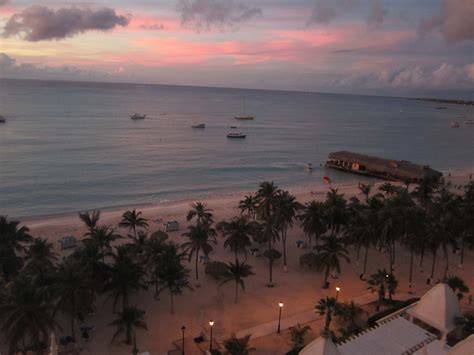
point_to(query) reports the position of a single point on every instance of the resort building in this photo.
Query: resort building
(397, 170)
(419, 329)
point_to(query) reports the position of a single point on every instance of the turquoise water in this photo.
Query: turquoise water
(71, 146)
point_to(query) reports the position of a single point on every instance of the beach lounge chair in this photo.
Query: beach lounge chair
(171, 226)
(67, 242)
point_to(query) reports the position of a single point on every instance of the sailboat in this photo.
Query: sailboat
(244, 116)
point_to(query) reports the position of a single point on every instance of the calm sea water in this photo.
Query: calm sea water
(71, 146)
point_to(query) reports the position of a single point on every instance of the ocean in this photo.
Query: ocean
(71, 146)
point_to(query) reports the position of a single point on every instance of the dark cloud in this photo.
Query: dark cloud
(3, 2)
(38, 23)
(376, 15)
(455, 21)
(222, 14)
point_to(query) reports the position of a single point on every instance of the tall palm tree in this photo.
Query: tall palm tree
(335, 210)
(271, 255)
(248, 204)
(130, 319)
(237, 272)
(26, 315)
(331, 252)
(313, 222)
(285, 211)
(365, 190)
(40, 257)
(238, 232)
(91, 220)
(266, 196)
(70, 287)
(200, 238)
(424, 192)
(102, 237)
(12, 240)
(170, 273)
(202, 214)
(297, 335)
(327, 306)
(133, 221)
(125, 277)
(238, 346)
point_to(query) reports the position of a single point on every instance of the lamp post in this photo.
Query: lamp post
(280, 304)
(211, 323)
(183, 328)
(337, 292)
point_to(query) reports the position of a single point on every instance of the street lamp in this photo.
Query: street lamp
(279, 316)
(337, 292)
(211, 323)
(183, 328)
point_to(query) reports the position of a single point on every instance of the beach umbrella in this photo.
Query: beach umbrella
(53, 347)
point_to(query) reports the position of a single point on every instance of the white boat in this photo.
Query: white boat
(244, 116)
(455, 125)
(199, 125)
(236, 135)
(137, 116)
(308, 167)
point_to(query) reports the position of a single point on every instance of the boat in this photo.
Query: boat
(441, 108)
(199, 125)
(236, 135)
(327, 179)
(244, 116)
(469, 122)
(137, 116)
(308, 167)
(233, 127)
(454, 124)
(3, 119)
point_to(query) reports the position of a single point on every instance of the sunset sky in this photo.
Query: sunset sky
(396, 47)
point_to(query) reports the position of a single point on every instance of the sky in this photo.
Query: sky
(384, 47)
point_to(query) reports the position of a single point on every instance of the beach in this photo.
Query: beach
(298, 288)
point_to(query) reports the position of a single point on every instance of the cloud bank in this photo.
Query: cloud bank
(3, 2)
(221, 14)
(455, 21)
(39, 23)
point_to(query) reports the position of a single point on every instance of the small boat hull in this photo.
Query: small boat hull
(236, 137)
(199, 126)
(248, 118)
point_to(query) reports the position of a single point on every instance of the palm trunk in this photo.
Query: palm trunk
(236, 257)
(73, 316)
(271, 273)
(327, 323)
(125, 301)
(433, 265)
(172, 301)
(326, 275)
(462, 252)
(365, 259)
(197, 258)
(421, 259)
(411, 267)
(283, 238)
(128, 336)
(446, 254)
(236, 292)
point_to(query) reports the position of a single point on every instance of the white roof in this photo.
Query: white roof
(320, 346)
(392, 337)
(438, 308)
(465, 347)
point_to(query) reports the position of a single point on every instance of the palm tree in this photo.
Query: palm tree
(285, 211)
(248, 204)
(388, 188)
(40, 257)
(238, 346)
(12, 239)
(297, 335)
(335, 210)
(26, 315)
(70, 286)
(350, 312)
(238, 232)
(424, 191)
(365, 190)
(237, 272)
(102, 237)
(133, 221)
(202, 214)
(380, 282)
(170, 273)
(271, 255)
(313, 222)
(327, 306)
(457, 285)
(130, 319)
(266, 196)
(91, 220)
(125, 277)
(200, 236)
(331, 251)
